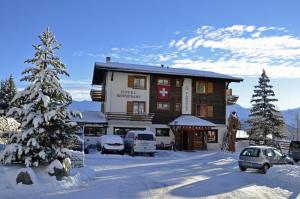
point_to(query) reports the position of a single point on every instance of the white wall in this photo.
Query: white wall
(221, 132)
(115, 101)
(160, 139)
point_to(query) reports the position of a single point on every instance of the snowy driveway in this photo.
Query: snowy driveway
(178, 175)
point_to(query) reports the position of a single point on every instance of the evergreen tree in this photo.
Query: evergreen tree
(41, 109)
(7, 91)
(2, 94)
(264, 119)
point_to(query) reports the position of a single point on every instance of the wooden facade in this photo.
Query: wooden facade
(216, 99)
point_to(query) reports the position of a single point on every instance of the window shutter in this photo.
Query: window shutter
(145, 85)
(129, 107)
(210, 111)
(210, 87)
(130, 81)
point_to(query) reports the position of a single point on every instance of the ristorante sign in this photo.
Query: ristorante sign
(128, 94)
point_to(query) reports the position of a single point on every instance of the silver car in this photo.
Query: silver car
(262, 158)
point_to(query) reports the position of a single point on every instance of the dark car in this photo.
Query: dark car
(294, 151)
(261, 158)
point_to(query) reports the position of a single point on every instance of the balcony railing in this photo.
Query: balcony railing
(130, 116)
(231, 99)
(97, 94)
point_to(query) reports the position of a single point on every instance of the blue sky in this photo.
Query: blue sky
(234, 37)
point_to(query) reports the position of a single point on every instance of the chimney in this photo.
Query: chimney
(108, 59)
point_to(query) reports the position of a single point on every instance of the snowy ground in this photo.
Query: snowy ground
(168, 175)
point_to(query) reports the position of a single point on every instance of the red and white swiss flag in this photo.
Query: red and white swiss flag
(163, 92)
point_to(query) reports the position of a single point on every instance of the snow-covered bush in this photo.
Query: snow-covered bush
(41, 108)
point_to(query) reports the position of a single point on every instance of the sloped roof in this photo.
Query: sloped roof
(92, 117)
(136, 68)
(190, 120)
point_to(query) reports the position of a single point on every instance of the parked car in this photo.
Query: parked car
(262, 158)
(111, 144)
(140, 142)
(294, 151)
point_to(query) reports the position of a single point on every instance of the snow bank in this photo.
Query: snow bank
(289, 174)
(43, 183)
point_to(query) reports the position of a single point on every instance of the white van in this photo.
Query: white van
(140, 142)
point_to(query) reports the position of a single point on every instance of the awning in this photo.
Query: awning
(189, 121)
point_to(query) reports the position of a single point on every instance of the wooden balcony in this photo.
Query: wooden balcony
(231, 99)
(97, 95)
(147, 117)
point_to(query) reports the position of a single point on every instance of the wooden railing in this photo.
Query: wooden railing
(97, 95)
(130, 116)
(231, 99)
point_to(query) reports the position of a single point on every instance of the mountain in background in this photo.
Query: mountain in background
(289, 116)
(85, 106)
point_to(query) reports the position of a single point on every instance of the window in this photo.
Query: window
(122, 131)
(178, 107)
(94, 131)
(178, 82)
(148, 137)
(200, 87)
(137, 82)
(212, 136)
(136, 107)
(203, 110)
(203, 87)
(163, 106)
(251, 152)
(163, 81)
(269, 153)
(162, 132)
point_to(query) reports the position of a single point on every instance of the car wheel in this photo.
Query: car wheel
(132, 153)
(264, 169)
(296, 160)
(242, 168)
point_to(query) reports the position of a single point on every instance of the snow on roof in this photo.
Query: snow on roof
(189, 120)
(163, 70)
(90, 117)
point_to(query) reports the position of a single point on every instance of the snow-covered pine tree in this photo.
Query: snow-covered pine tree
(2, 94)
(7, 91)
(264, 119)
(41, 108)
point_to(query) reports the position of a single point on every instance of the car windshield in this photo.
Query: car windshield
(148, 137)
(295, 144)
(251, 152)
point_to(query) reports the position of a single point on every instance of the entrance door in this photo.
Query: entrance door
(185, 140)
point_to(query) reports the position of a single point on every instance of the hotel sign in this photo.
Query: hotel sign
(128, 94)
(187, 96)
